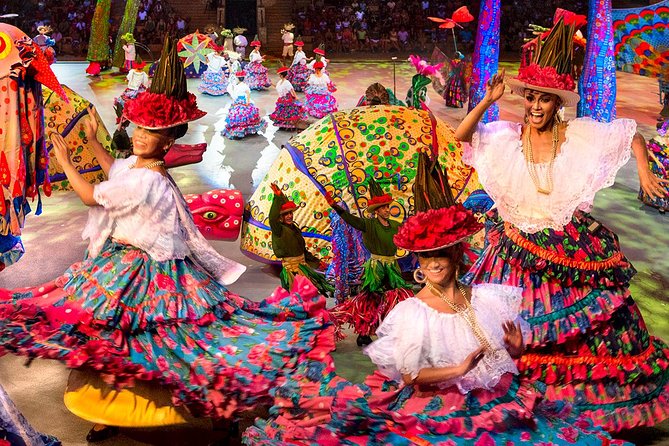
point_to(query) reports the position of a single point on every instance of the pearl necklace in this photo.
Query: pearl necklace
(150, 165)
(531, 166)
(466, 311)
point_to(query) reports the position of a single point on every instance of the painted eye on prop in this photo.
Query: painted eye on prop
(210, 215)
(5, 45)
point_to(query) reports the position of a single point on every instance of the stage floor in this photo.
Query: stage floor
(52, 240)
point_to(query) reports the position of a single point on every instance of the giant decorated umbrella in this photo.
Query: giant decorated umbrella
(193, 50)
(339, 154)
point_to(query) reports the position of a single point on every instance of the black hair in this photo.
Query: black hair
(178, 131)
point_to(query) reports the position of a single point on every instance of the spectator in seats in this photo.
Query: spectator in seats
(403, 37)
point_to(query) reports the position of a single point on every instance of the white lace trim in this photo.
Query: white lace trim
(319, 81)
(415, 336)
(283, 87)
(588, 161)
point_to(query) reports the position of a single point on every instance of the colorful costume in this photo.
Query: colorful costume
(417, 93)
(658, 149)
(486, 405)
(138, 82)
(214, 80)
(585, 326)
(289, 111)
(46, 43)
(299, 72)
(148, 303)
(256, 73)
(382, 284)
(129, 51)
(319, 100)
(320, 57)
(455, 94)
(240, 41)
(243, 116)
(289, 246)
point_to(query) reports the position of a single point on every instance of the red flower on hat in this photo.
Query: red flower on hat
(437, 228)
(282, 70)
(288, 206)
(156, 110)
(546, 77)
(318, 64)
(380, 200)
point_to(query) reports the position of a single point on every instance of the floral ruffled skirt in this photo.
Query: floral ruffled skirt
(589, 342)
(243, 120)
(214, 83)
(288, 112)
(129, 318)
(298, 75)
(256, 76)
(320, 102)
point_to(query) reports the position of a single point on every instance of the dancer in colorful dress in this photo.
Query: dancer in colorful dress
(290, 247)
(319, 56)
(129, 50)
(658, 154)
(588, 340)
(299, 72)
(256, 72)
(214, 79)
(138, 82)
(446, 372)
(417, 96)
(289, 113)
(455, 93)
(243, 116)
(319, 100)
(382, 284)
(46, 43)
(147, 306)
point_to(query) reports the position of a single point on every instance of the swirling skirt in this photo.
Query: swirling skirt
(130, 317)
(288, 112)
(256, 76)
(243, 119)
(298, 75)
(214, 83)
(319, 102)
(589, 342)
(660, 167)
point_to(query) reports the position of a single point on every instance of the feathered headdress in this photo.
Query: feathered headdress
(425, 69)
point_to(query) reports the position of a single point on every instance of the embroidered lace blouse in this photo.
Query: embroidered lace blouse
(283, 87)
(299, 57)
(587, 162)
(238, 90)
(415, 336)
(145, 209)
(255, 56)
(319, 81)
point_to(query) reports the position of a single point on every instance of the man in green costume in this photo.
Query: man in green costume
(290, 247)
(382, 285)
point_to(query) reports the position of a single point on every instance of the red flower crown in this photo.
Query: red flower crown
(436, 229)
(158, 111)
(547, 77)
(379, 201)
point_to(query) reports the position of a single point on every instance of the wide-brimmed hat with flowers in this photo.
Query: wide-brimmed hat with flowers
(282, 69)
(288, 206)
(439, 221)
(377, 197)
(167, 103)
(255, 42)
(551, 68)
(238, 30)
(288, 26)
(128, 37)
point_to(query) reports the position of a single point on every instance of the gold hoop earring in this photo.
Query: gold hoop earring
(527, 119)
(419, 276)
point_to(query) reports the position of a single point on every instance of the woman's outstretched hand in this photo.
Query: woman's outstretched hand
(60, 148)
(90, 124)
(652, 185)
(513, 338)
(494, 88)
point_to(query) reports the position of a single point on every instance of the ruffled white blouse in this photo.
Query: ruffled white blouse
(319, 81)
(588, 161)
(299, 57)
(313, 62)
(283, 87)
(239, 89)
(145, 209)
(415, 336)
(255, 56)
(215, 62)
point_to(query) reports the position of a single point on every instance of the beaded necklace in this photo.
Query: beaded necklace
(148, 166)
(531, 166)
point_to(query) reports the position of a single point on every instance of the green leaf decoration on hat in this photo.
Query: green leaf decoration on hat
(374, 189)
(169, 78)
(557, 49)
(431, 187)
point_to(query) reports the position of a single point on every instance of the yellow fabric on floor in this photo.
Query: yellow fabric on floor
(88, 397)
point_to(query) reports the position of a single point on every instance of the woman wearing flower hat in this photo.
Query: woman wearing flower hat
(320, 57)
(256, 73)
(214, 79)
(298, 73)
(138, 82)
(446, 372)
(289, 113)
(588, 340)
(290, 247)
(243, 116)
(46, 43)
(129, 50)
(145, 318)
(319, 100)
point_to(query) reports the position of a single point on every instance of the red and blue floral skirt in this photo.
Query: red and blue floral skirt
(298, 75)
(243, 120)
(288, 112)
(130, 317)
(214, 83)
(589, 342)
(256, 76)
(319, 101)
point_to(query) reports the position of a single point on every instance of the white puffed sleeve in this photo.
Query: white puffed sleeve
(488, 137)
(399, 349)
